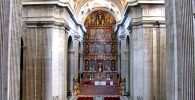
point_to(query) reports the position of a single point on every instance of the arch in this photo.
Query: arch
(21, 69)
(93, 17)
(98, 9)
(128, 43)
(79, 61)
(79, 3)
(128, 63)
(70, 68)
(70, 43)
(91, 6)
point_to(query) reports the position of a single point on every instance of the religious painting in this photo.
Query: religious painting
(108, 34)
(86, 49)
(92, 65)
(107, 65)
(100, 48)
(100, 34)
(113, 62)
(113, 49)
(87, 65)
(108, 47)
(93, 34)
(99, 42)
(92, 48)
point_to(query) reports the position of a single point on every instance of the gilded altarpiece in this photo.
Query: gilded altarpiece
(100, 46)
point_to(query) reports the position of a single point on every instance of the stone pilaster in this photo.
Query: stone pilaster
(124, 62)
(66, 64)
(76, 54)
(10, 49)
(180, 50)
(147, 51)
(46, 40)
(45, 66)
(70, 64)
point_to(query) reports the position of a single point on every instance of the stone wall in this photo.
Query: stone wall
(10, 45)
(145, 75)
(46, 31)
(180, 50)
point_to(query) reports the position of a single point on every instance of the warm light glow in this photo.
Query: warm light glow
(99, 4)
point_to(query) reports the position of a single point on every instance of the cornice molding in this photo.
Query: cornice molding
(77, 37)
(58, 3)
(122, 36)
(34, 21)
(135, 3)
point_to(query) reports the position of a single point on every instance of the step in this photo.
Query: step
(100, 97)
(99, 90)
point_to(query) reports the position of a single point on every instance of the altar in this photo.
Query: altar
(100, 56)
(103, 83)
(100, 76)
(100, 82)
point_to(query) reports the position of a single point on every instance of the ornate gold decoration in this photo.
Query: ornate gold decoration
(76, 86)
(100, 18)
(99, 25)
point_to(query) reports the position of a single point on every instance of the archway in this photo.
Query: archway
(70, 70)
(100, 55)
(128, 65)
(79, 61)
(21, 69)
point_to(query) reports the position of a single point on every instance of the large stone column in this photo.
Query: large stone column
(180, 50)
(145, 25)
(58, 63)
(45, 39)
(76, 54)
(148, 58)
(125, 68)
(44, 62)
(66, 64)
(81, 56)
(10, 49)
(70, 64)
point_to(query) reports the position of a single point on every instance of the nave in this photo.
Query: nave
(99, 74)
(97, 49)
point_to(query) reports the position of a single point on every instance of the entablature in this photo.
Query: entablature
(57, 12)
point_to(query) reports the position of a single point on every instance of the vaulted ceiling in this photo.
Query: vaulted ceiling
(119, 3)
(83, 8)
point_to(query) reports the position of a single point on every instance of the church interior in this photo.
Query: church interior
(97, 50)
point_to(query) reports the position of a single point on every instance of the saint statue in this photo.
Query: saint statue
(100, 67)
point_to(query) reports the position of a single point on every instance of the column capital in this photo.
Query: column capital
(122, 36)
(67, 28)
(77, 37)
